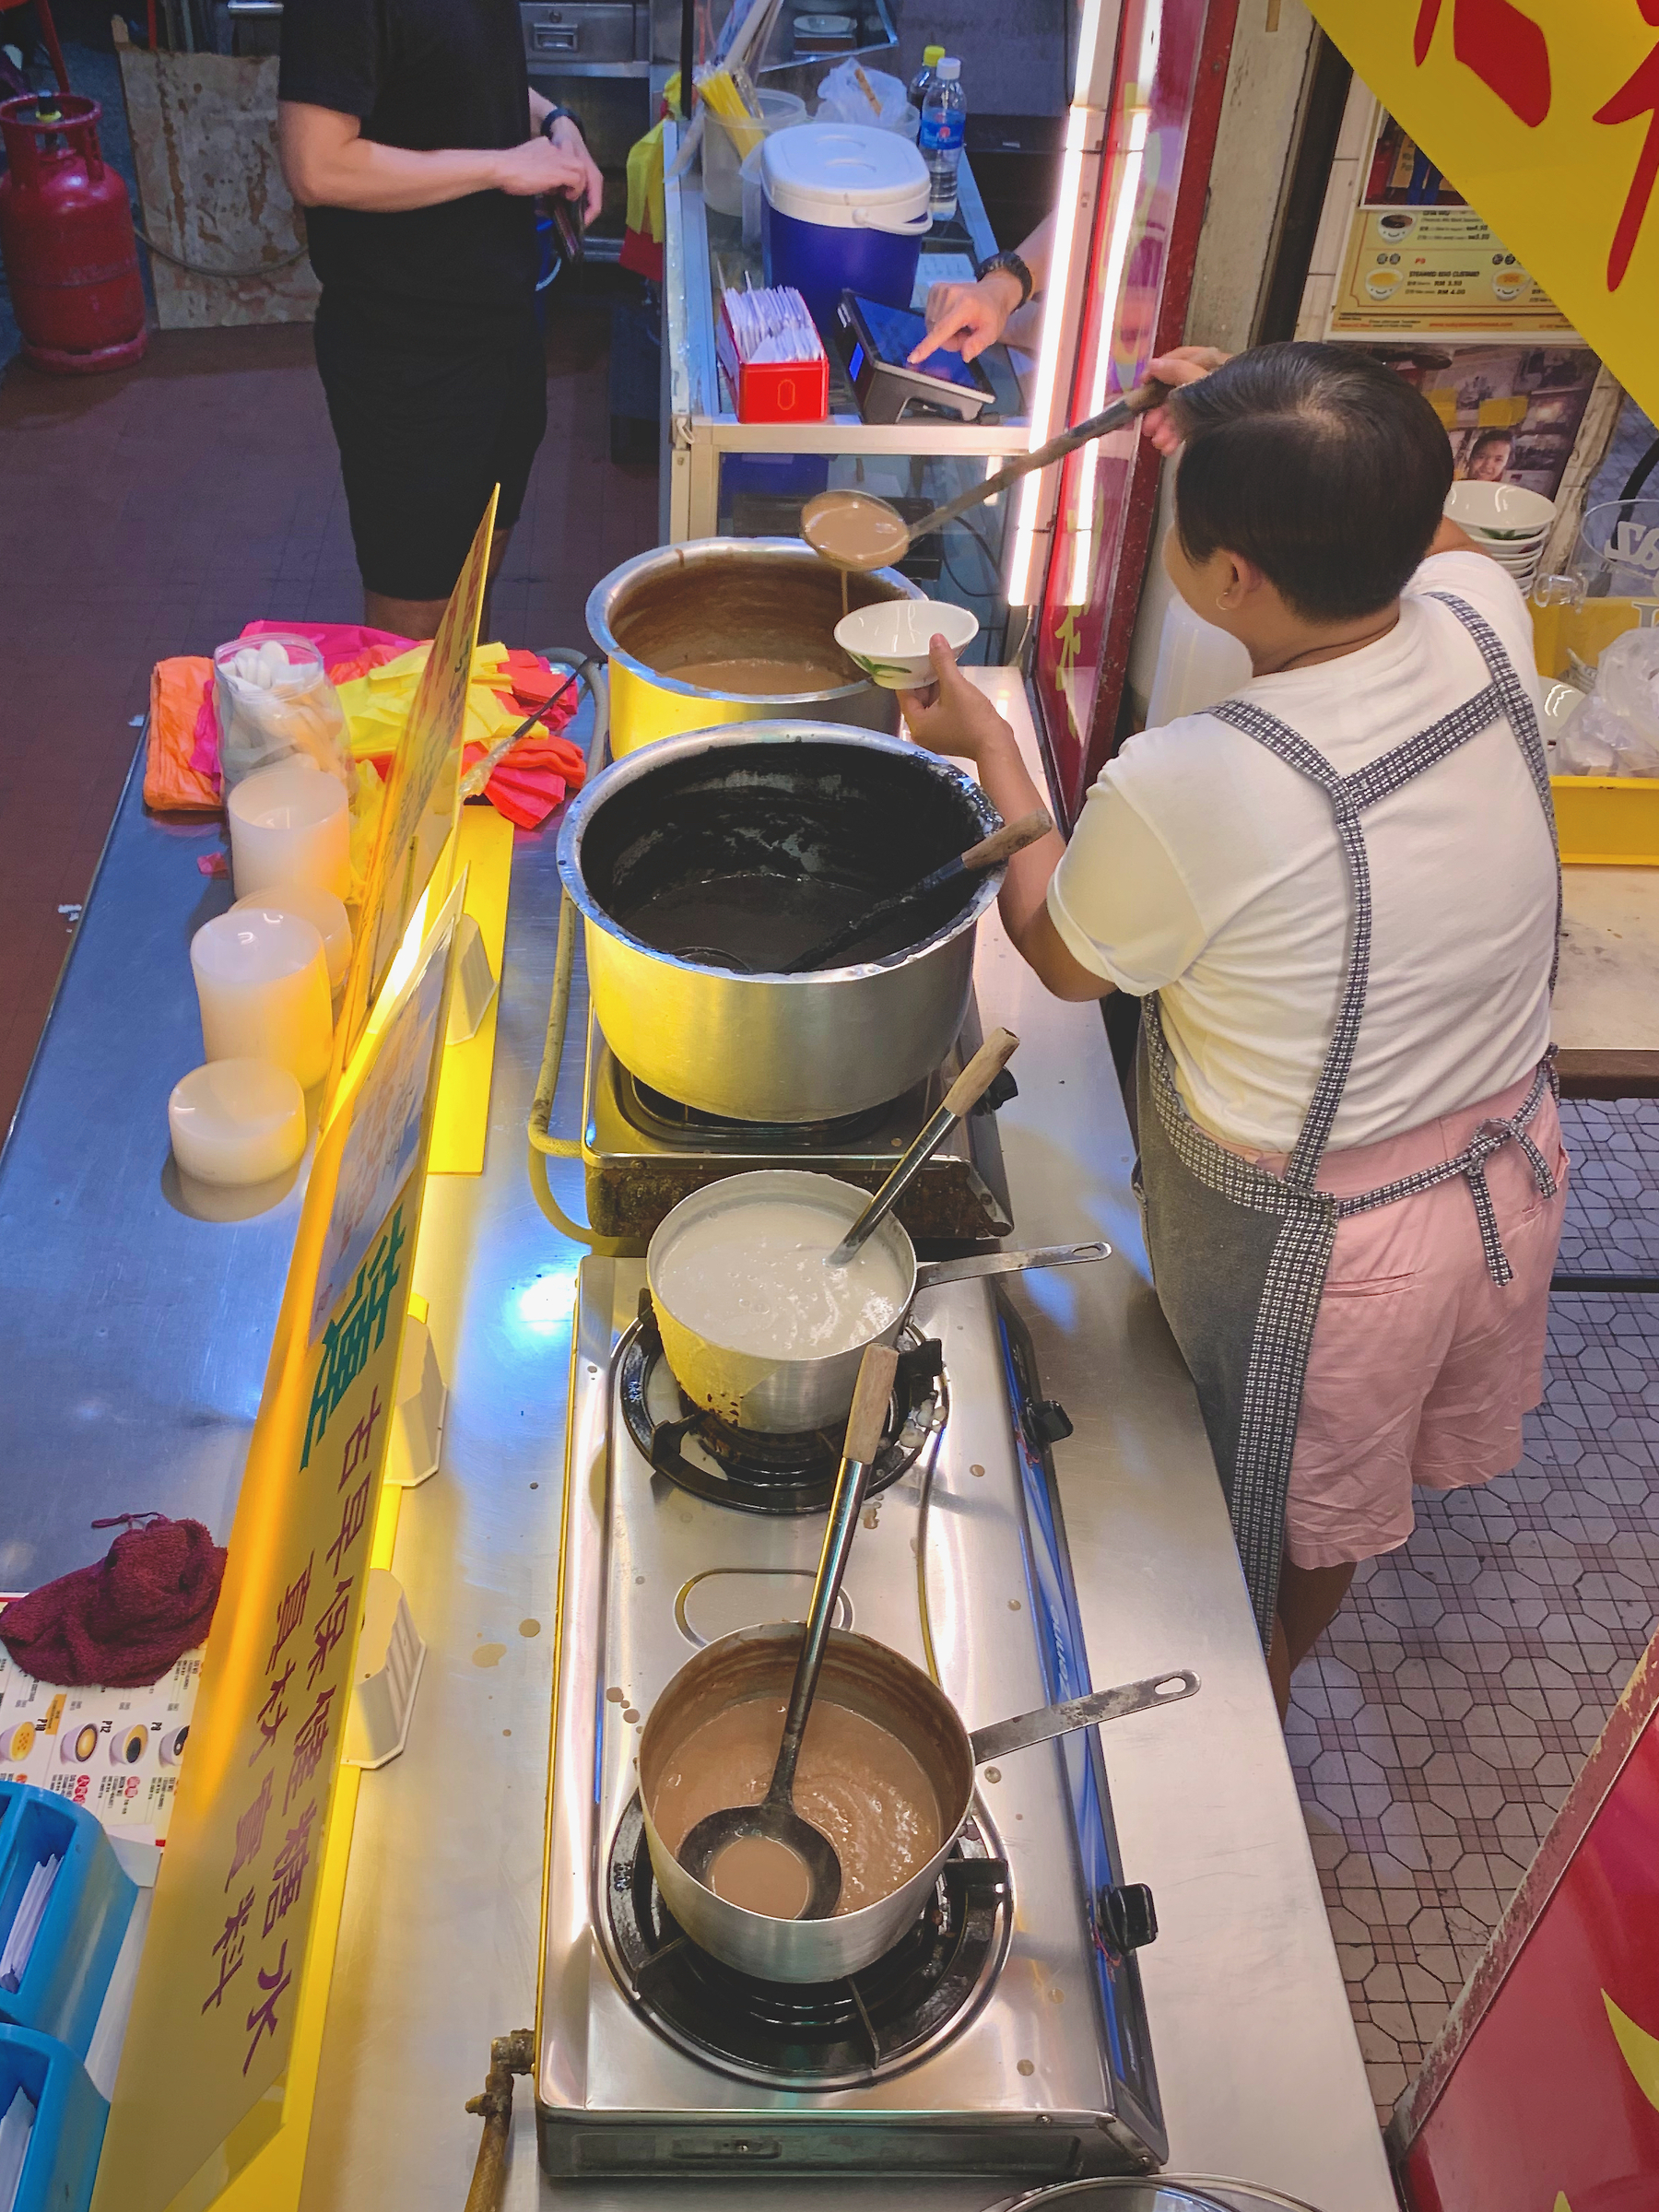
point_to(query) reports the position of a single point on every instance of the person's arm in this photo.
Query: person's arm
(957, 718)
(966, 318)
(1452, 538)
(327, 163)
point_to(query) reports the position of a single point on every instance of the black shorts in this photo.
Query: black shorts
(433, 404)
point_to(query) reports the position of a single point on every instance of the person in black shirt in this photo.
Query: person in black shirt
(410, 135)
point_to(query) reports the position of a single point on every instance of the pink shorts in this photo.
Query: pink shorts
(1421, 1367)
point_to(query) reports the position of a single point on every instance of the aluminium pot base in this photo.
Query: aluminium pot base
(825, 2035)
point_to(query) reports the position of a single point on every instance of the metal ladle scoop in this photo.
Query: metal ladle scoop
(856, 529)
(774, 1819)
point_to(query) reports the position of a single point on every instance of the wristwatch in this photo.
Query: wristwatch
(1015, 267)
(558, 114)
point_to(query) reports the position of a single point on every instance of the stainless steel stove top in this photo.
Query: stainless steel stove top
(1007, 2033)
(644, 1152)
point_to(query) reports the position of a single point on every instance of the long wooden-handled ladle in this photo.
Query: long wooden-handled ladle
(774, 1821)
(979, 860)
(964, 1094)
(856, 529)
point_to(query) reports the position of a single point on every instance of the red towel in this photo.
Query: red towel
(125, 1620)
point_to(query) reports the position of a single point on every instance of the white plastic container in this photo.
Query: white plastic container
(726, 144)
(235, 1123)
(262, 984)
(843, 209)
(291, 824)
(1199, 665)
(321, 908)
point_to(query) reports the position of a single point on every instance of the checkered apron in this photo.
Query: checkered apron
(1222, 1229)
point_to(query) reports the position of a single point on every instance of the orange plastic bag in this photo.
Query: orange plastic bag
(173, 783)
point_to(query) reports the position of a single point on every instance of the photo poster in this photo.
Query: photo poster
(1512, 412)
(421, 800)
(200, 2087)
(1543, 117)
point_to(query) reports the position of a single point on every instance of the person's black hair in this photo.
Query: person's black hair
(1321, 466)
(1503, 437)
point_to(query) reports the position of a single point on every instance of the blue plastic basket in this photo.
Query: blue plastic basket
(60, 2163)
(61, 1989)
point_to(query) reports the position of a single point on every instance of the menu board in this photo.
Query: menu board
(114, 1752)
(1426, 269)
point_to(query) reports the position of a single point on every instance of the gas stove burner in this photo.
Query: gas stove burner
(659, 1115)
(820, 2035)
(751, 1470)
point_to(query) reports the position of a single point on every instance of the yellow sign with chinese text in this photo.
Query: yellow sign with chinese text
(422, 798)
(198, 2090)
(1544, 115)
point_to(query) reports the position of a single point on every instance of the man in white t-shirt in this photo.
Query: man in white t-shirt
(1342, 888)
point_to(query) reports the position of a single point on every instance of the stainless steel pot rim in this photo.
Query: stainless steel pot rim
(1107, 2187)
(600, 630)
(643, 759)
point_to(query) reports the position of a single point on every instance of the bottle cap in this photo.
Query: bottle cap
(930, 54)
(950, 69)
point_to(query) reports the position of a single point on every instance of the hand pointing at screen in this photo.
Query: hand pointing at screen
(967, 318)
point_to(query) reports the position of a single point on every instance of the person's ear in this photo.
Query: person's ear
(1239, 580)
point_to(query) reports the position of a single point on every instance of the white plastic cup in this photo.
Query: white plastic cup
(262, 983)
(326, 912)
(237, 1121)
(291, 824)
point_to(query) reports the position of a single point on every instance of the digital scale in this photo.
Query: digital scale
(874, 342)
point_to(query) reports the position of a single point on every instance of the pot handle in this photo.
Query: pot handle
(1026, 1728)
(931, 1273)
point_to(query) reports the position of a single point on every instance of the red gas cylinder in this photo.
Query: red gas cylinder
(66, 237)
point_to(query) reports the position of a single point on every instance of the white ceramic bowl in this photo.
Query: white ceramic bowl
(890, 640)
(1499, 507)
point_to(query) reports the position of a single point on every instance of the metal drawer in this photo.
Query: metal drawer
(577, 30)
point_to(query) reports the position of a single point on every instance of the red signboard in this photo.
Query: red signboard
(1171, 71)
(1543, 2093)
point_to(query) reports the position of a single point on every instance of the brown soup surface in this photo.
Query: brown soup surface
(759, 679)
(855, 1780)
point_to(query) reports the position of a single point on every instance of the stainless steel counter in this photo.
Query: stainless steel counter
(1256, 2056)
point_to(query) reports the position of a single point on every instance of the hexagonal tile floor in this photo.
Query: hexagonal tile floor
(1438, 1726)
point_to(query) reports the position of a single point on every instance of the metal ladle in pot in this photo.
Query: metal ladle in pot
(856, 529)
(774, 1821)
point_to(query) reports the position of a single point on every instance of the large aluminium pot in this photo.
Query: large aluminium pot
(868, 1678)
(769, 598)
(813, 806)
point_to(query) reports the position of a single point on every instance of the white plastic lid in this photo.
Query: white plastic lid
(948, 69)
(844, 176)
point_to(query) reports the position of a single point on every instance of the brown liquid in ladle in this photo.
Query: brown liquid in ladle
(856, 529)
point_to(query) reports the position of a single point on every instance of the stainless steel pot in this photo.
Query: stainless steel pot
(1156, 2193)
(797, 800)
(729, 597)
(867, 1678)
(789, 1397)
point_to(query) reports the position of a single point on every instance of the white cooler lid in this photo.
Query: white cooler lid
(845, 176)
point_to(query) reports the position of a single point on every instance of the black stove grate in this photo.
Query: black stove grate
(820, 2035)
(750, 1469)
(657, 1114)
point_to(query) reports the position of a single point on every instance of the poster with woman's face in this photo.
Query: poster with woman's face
(1512, 412)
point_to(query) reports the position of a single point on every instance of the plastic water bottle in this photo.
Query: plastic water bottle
(919, 84)
(944, 128)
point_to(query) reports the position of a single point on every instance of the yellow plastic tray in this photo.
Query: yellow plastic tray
(1607, 821)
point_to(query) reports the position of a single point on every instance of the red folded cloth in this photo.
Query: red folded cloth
(125, 1620)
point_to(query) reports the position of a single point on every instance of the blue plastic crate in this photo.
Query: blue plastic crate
(60, 2163)
(61, 1989)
